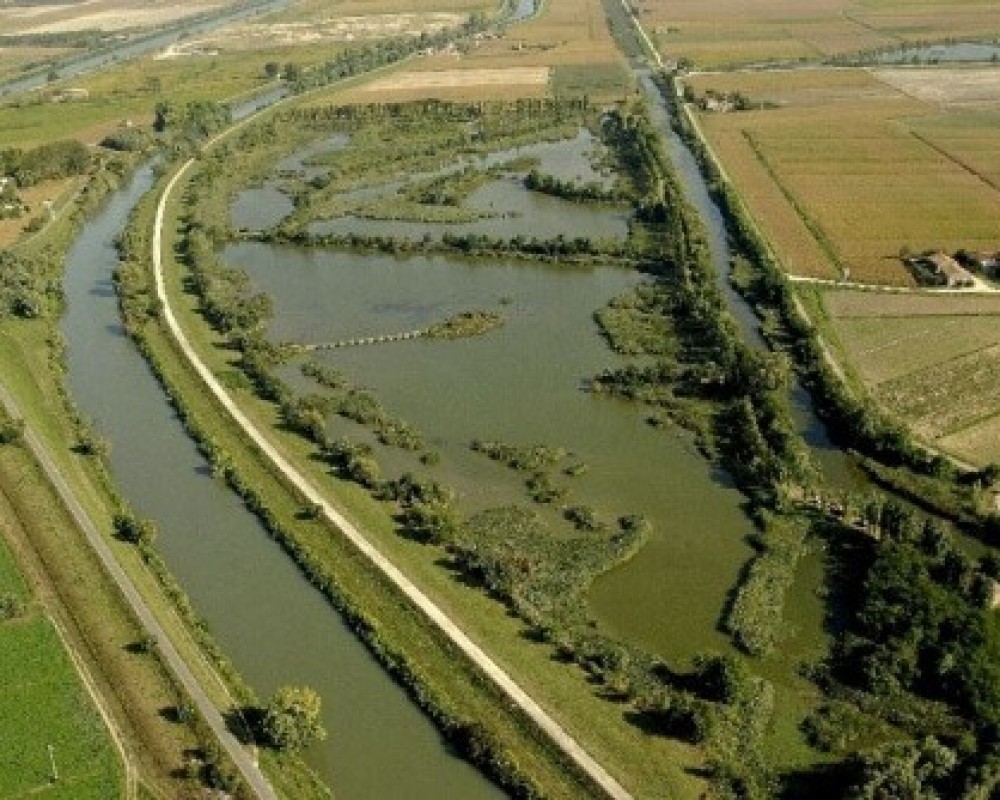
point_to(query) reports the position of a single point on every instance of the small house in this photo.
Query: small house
(943, 270)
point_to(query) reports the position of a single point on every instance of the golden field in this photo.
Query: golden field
(844, 171)
(733, 32)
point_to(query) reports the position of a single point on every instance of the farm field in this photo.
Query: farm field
(129, 93)
(42, 703)
(825, 166)
(104, 15)
(18, 59)
(321, 10)
(342, 28)
(569, 40)
(739, 32)
(937, 371)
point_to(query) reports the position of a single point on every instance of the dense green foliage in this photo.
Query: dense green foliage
(291, 719)
(541, 576)
(466, 323)
(45, 163)
(704, 358)
(590, 192)
(754, 616)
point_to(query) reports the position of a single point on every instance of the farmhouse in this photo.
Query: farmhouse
(985, 262)
(940, 268)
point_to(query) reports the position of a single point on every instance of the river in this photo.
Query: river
(273, 625)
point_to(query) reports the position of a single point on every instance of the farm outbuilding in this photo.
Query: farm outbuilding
(942, 269)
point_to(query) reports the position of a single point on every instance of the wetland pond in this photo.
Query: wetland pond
(524, 384)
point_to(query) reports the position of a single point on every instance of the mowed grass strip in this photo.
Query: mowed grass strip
(42, 705)
(11, 582)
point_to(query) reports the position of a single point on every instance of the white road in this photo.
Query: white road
(448, 626)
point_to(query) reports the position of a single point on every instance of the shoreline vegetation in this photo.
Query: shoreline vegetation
(32, 301)
(898, 565)
(182, 752)
(895, 694)
(554, 610)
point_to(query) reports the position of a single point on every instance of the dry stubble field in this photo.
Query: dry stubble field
(567, 43)
(746, 31)
(105, 15)
(844, 171)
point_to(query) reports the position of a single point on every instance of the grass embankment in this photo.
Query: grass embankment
(649, 764)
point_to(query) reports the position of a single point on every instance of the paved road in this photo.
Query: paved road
(240, 757)
(447, 625)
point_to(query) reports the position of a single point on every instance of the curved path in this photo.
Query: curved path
(446, 624)
(171, 657)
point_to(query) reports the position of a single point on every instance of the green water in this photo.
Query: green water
(272, 624)
(522, 384)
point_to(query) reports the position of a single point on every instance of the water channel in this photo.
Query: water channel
(274, 626)
(130, 49)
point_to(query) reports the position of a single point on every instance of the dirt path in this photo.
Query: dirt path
(171, 657)
(447, 625)
(979, 286)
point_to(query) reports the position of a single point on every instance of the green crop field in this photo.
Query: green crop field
(43, 704)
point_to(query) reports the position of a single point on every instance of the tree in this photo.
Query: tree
(292, 719)
(272, 69)
(11, 429)
(904, 770)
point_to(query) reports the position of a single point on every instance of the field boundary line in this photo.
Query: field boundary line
(88, 683)
(981, 289)
(546, 723)
(958, 162)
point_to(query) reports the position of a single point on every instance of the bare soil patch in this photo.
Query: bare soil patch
(105, 15)
(949, 87)
(360, 28)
